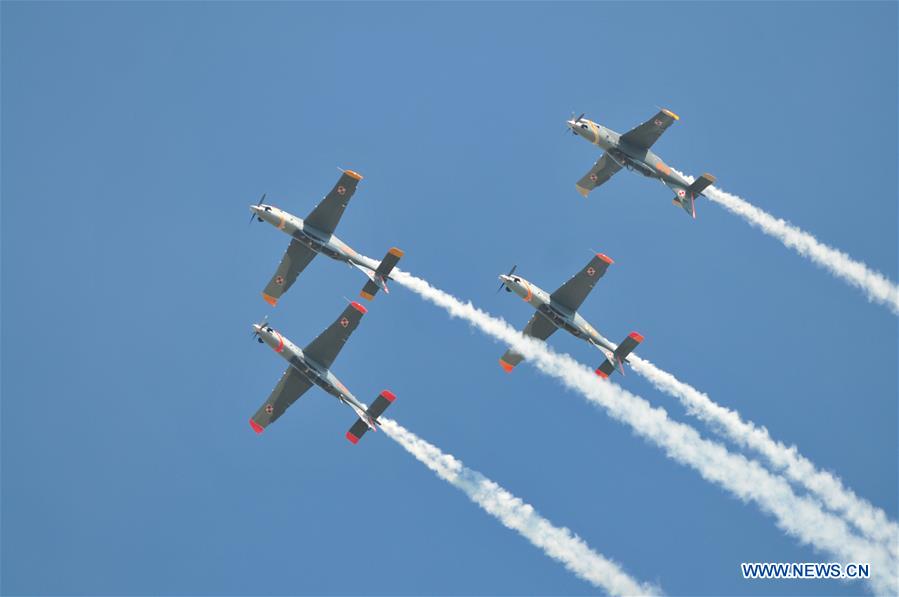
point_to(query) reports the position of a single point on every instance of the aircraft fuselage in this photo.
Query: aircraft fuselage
(643, 161)
(560, 316)
(315, 373)
(318, 241)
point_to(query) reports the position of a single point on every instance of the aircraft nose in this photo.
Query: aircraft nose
(255, 209)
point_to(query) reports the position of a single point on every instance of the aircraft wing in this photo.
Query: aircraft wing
(295, 260)
(573, 292)
(293, 384)
(325, 348)
(538, 327)
(601, 171)
(644, 135)
(327, 214)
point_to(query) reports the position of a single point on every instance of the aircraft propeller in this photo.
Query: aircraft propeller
(253, 215)
(511, 271)
(576, 120)
(255, 333)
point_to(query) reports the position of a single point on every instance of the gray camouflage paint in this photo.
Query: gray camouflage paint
(309, 240)
(559, 310)
(561, 316)
(632, 151)
(313, 372)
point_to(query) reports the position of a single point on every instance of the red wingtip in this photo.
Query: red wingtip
(353, 439)
(605, 258)
(602, 374)
(256, 426)
(636, 336)
(359, 307)
(388, 395)
(506, 366)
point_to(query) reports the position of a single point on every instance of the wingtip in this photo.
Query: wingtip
(670, 113)
(584, 192)
(396, 252)
(388, 395)
(358, 307)
(506, 366)
(256, 426)
(270, 299)
(605, 258)
(636, 336)
(353, 174)
(367, 296)
(602, 374)
(353, 439)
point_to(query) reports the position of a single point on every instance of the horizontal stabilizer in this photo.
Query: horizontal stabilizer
(374, 411)
(701, 183)
(620, 355)
(379, 279)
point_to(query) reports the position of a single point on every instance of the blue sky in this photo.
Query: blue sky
(135, 135)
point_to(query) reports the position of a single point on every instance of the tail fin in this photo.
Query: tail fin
(686, 198)
(379, 280)
(374, 411)
(620, 355)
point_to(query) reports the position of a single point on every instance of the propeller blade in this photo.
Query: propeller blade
(578, 119)
(511, 271)
(262, 325)
(261, 199)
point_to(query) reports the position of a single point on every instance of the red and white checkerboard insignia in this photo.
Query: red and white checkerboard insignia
(341, 190)
(657, 122)
(593, 177)
(681, 193)
(279, 280)
(269, 408)
(590, 271)
(344, 321)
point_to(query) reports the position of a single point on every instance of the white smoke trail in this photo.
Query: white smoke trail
(558, 543)
(876, 286)
(800, 517)
(872, 521)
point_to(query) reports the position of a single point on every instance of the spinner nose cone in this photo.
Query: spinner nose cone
(255, 209)
(257, 328)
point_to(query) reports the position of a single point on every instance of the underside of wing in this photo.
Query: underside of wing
(295, 260)
(293, 384)
(325, 348)
(645, 135)
(538, 327)
(327, 214)
(601, 171)
(573, 292)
